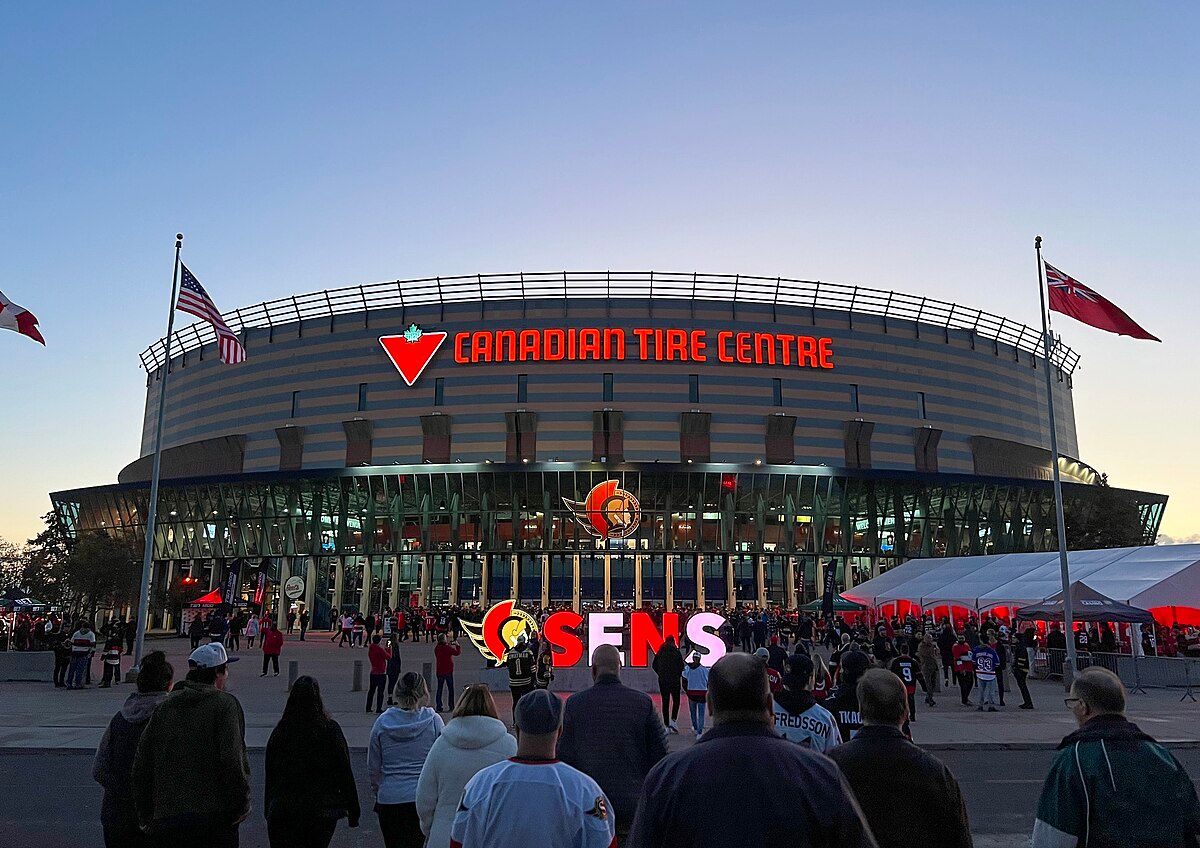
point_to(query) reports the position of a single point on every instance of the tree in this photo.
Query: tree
(12, 564)
(101, 572)
(44, 563)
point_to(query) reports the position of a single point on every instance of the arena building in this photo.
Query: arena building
(597, 438)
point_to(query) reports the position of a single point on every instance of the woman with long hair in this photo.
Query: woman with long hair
(400, 743)
(474, 739)
(309, 782)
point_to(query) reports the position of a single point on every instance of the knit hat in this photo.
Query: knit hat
(799, 671)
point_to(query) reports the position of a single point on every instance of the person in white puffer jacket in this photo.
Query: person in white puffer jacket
(473, 740)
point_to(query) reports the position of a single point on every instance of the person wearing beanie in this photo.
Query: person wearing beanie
(774, 676)
(798, 716)
(532, 800)
(844, 704)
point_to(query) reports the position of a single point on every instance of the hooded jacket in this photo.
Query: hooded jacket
(799, 718)
(191, 765)
(113, 766)
(467, 745)
(668, 665)
(400, 742)
(1113, 785)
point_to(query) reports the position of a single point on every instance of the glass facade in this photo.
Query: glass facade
(374, 537)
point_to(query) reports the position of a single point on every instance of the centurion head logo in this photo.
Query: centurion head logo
(502, 627)
(608, 511)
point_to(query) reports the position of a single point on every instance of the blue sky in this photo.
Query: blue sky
(910, 146)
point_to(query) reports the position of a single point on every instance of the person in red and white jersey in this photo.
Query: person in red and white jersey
(532, 800)
(83, 645)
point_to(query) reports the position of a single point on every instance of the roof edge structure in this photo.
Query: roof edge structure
(1149, 577)
(609, 285)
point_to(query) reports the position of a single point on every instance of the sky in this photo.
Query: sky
(917, 147)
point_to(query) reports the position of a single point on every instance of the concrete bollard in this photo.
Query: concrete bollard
(293, 673)
(356, 686)
(427, 673)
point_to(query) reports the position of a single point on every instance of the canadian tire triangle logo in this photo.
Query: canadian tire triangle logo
(412, 351)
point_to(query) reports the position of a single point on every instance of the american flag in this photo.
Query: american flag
(194, 300)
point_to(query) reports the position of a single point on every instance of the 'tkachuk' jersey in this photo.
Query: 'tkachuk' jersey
(814, 728)
(522, 803)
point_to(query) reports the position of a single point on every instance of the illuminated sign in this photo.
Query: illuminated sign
(413, 351)
(635, 636)
(608, 511)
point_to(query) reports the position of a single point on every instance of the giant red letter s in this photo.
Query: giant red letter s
(557, 631)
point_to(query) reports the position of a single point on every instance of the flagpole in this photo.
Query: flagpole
(1064, 572)
(148, 554)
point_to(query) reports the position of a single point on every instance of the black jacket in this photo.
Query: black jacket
(308, 773)
(742, 785)
(879, 760)
(614, 735)
(668, 665)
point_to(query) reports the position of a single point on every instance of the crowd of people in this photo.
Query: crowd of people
(774, 767)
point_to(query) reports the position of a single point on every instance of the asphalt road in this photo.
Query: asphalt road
(50, 799)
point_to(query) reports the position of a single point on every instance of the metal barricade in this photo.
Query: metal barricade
(1136, 672)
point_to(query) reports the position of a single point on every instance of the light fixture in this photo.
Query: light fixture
(758, 462)
(525, 459)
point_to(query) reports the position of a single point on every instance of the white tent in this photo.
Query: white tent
(1145, 577)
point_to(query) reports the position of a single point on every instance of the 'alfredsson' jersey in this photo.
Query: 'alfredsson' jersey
(521, 803)
(814, 728)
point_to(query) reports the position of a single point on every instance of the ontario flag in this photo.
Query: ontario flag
(19, 319)
(1071, 297)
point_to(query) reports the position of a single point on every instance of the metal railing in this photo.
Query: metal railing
(1136, 672)
(656, 285)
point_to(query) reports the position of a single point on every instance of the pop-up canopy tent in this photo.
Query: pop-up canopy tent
(1086, 605)
(212, 599)
(840, 604)
(1163, 579)
(19, 601)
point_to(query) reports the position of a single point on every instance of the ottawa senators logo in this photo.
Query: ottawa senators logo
(502, 625)
(608, 512)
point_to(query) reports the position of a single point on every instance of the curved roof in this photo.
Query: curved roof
(656, 285)
(1144, 577)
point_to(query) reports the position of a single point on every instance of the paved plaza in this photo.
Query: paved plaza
(38, 716)
(47, 737)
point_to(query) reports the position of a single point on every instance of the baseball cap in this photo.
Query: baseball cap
(539, 712)
(763, 652)
(210, 656)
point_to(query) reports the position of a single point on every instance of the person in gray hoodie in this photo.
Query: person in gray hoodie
(400, 743)
(474, 739)
(113, 765)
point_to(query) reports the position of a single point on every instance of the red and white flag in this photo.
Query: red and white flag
(194, 300)
(1071, 297)
(19, 319)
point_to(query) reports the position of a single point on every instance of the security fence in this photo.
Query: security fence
(1136, 672)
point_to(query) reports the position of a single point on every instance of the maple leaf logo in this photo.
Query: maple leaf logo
(412, 334)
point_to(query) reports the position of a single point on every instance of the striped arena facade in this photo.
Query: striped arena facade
(773, 384)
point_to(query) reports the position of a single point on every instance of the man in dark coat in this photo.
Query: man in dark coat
(668, 665)
(612, 734)
(879, 759)
(743, 784)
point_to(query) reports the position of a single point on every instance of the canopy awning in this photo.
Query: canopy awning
(212, 599)
(840, 604)
(1086, 605)
(1143, 577)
